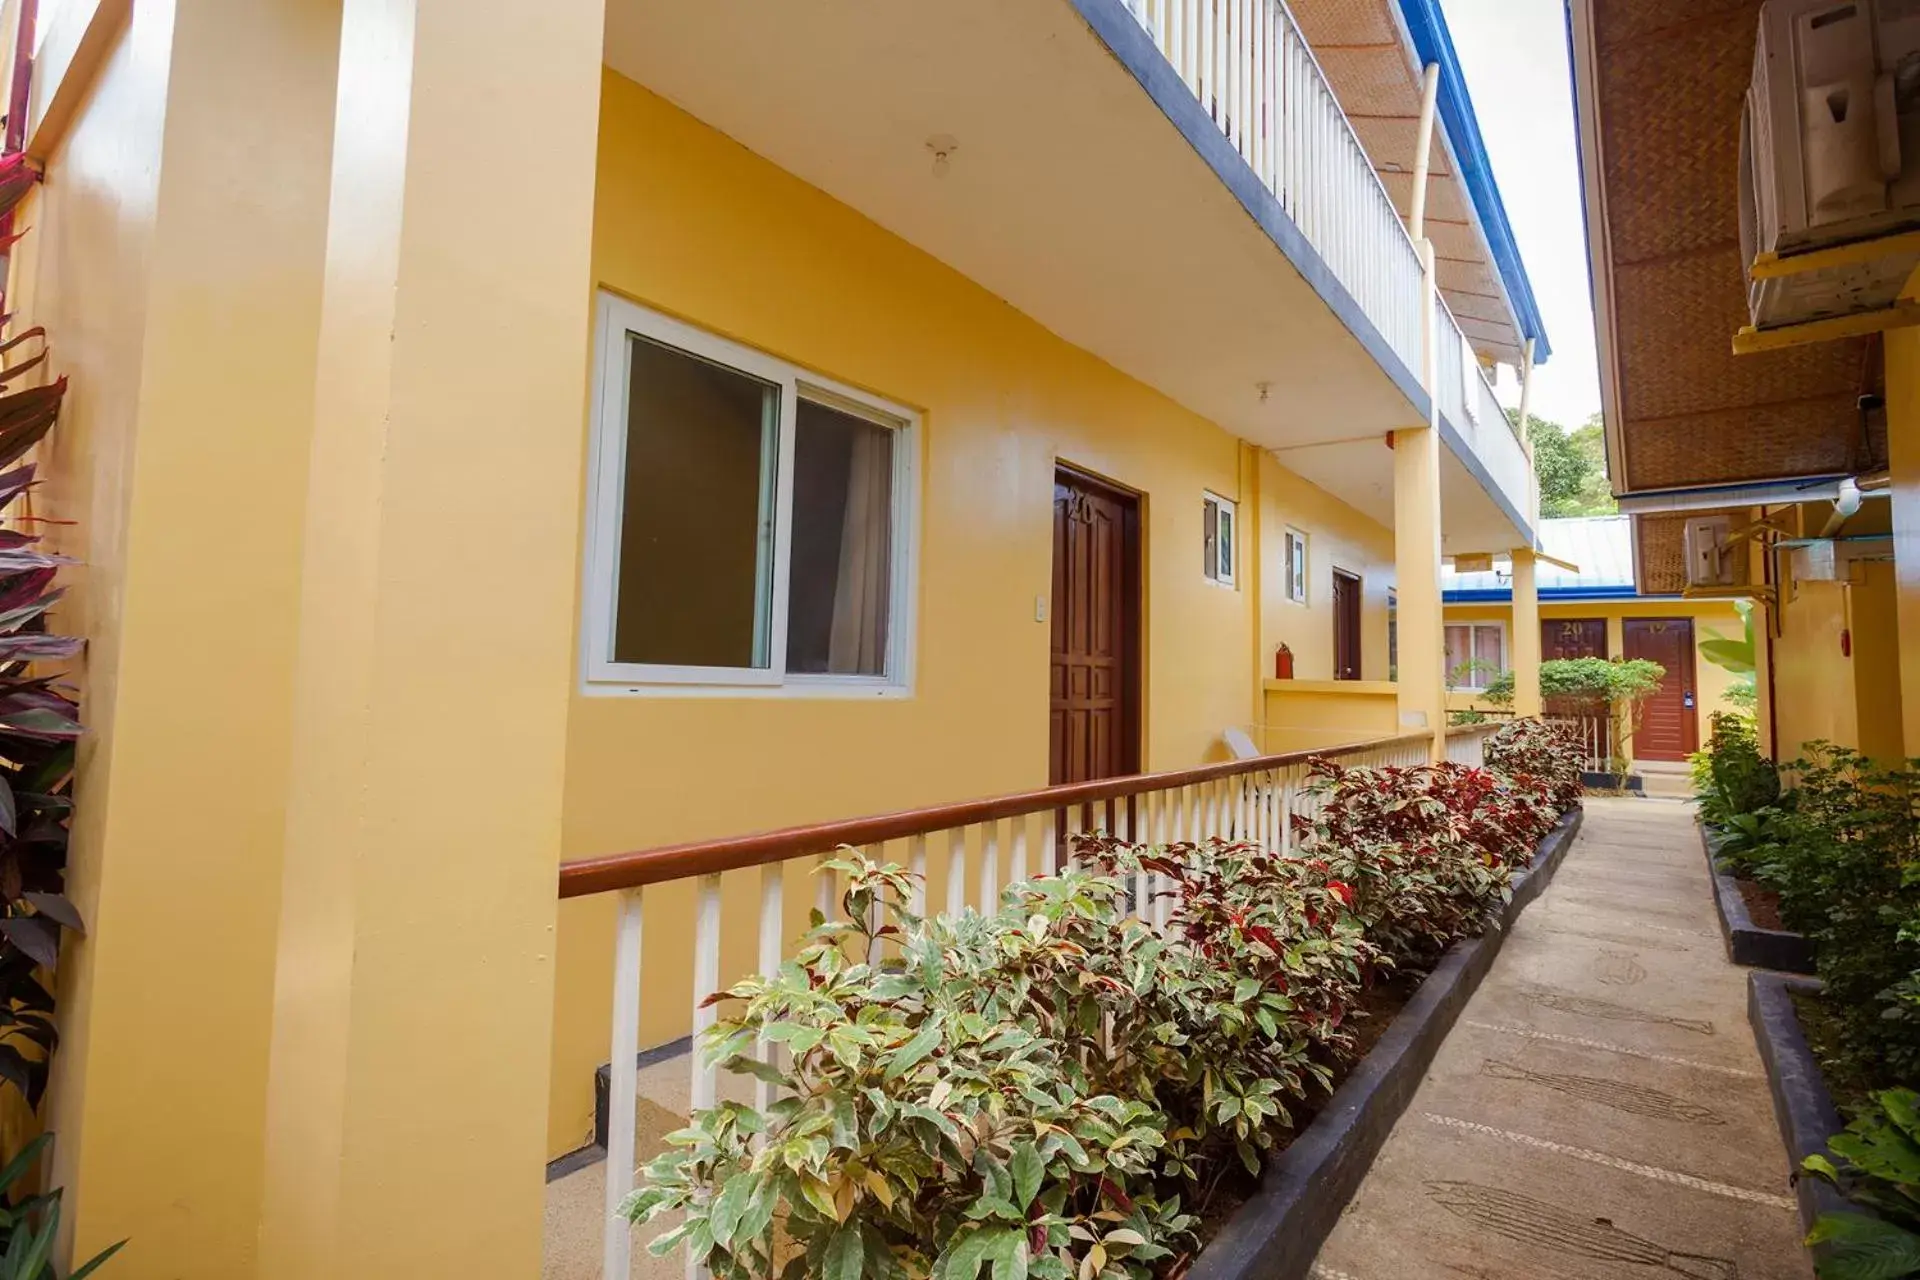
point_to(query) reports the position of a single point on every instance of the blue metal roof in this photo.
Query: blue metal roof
(1433, 44)
(1602, 546)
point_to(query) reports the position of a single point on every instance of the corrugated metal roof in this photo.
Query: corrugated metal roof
(1602, 546)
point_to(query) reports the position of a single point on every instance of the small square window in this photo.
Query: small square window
(1218, 516)
(1296, 566)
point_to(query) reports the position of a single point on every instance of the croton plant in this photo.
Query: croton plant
(39, 720)
(1059, 1089)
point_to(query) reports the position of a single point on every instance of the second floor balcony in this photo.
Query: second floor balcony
(1172, 185)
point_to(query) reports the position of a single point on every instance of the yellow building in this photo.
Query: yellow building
(1760, 387)
(507, 435)
(1589, 607)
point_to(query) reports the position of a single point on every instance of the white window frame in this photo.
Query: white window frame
(1297, 564)
(1226, 513)
(1506, 656)
(606, 476)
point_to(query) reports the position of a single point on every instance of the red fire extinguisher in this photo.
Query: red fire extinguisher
(1283, 663)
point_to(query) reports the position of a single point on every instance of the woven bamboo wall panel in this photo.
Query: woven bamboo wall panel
(1470, 275)
(1765, 443)
(1335, 22)
(1673, 76)
(1632, 21)
(1372, 80)
(1677, 318)
(1671, 130)
(1662, 541)
(1445, 207)
(1390, 140)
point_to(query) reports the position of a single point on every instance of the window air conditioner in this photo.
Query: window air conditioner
(1710, 551)
(1830, 151)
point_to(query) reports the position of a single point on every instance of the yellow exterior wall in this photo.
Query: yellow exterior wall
(1710, 618)
(1302, 715)
(691, 224)
(1338, 537)
(180, 463)
(1902, 347)
(1821, 691)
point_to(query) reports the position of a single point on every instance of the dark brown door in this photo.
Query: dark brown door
(1573, 638)
(1095, 727)
(1670, 729)
(1346, 626)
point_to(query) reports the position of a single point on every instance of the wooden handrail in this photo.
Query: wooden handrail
(612, 871)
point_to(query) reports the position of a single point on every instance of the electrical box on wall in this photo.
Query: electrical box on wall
(1830, 151)
(1710, 551)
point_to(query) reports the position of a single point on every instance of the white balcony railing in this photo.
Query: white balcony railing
(1466, 399)
(971, 849)
(1247, 63)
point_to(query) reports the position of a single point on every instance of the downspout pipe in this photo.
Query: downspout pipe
(1423, 152)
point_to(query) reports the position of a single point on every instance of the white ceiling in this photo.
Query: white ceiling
(1360, 474)
(1364, 50)
(1122, 240)
(1070, 194)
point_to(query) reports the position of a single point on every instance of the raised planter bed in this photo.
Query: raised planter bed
(1746, 942)
(1801, 1104)
(1278, 1232)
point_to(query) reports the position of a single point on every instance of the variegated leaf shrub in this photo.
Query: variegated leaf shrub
(1057, 1090)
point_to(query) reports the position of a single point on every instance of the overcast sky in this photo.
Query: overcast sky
(1515, 56)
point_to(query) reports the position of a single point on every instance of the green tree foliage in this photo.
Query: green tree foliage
(1572, 466)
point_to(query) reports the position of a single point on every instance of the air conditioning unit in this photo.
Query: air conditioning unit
(1710, 551)
(1830, 151)
(1834, 560)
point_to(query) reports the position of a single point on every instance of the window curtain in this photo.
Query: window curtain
(858, 642)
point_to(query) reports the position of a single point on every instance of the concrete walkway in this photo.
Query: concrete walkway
(1600, 1110)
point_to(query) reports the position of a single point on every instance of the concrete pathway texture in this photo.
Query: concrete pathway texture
(1600, 1109)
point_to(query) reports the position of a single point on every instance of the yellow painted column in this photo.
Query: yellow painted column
(1526, 633)
(1416, 561)
(1416, 532)
(406, 1117)
(175, 258)
(1903, 449)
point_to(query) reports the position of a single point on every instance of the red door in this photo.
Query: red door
(1346, 626)
(1094, 729)
(1670, 728)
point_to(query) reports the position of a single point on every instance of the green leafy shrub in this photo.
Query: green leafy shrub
(1617, 688)
(1058, 1089)
(1876, 1163)
(1844, 857)
(30, 1223)
(1737, 777)
(1538, 754)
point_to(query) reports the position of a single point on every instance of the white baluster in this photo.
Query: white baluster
(623, 1085)
(706, 980)
(1050, 842)
(990, 868)
(1019, 869)
(772, 943)
(956, 871)
(917, 864)
(1288, 792)
(826, 895)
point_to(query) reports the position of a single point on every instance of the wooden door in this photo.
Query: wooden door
(1670, 729)
(1573, 638)
(1095, 697)
(1346, 626)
